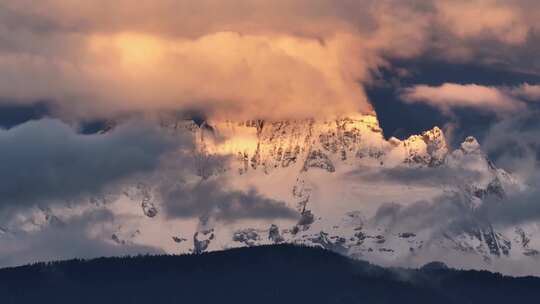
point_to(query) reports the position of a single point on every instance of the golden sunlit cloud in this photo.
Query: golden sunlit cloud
(134, 50)
(228, 74)
(233, 58)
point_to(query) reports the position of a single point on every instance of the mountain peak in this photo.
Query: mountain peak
(429, 148)
(470, 145)
(436, 143)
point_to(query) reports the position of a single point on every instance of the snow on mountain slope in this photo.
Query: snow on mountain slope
(353, 191)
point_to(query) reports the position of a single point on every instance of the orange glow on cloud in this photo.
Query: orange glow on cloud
(133, 50)
(232, 74)
(233, 58)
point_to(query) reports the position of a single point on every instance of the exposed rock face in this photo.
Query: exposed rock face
(246, 236)
(429, 149)
(149, 209)
(271, 145)
(317, 159)
(274, 235)
(201, 240)
(178, 240)
(312, 144)
(307, 218)
(331, 243)
(117, 240)
(406, 235)
(142, 193)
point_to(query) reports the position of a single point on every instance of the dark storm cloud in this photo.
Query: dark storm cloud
(47, 160)
(209, 199)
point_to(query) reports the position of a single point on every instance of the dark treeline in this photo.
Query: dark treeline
(268, 274)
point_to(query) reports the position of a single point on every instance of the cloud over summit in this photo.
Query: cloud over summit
(268, 59)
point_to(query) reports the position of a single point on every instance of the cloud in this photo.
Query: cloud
(223, 73)
(514, 143)
(67, 240)
(428, 177)
(219, 65)
(45, 161)
(527, 91)
(520, 208)
(445, 213)
(500, 20)
(449, 95)
(277, 59)
(211, 199)
(454, 213)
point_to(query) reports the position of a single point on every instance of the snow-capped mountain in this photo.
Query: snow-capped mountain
(393, 202)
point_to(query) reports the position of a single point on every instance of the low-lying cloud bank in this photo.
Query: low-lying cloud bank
(453, 213)
(68, 240)
(424, 177)
(209, 200)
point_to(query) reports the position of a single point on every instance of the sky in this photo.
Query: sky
(70, 69)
